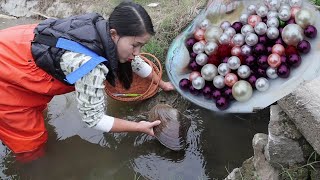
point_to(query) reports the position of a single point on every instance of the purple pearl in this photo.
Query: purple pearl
(194, 66)
(250, 61)
(190, 42)
(263, 61)
(228, 93)
(294, 60)
(291, 21)
(184, 83)
(280, 29)
(237, 26)
(259, 49)
(216, 93)
(193, 55)
(262, 72)
(283, 59)
(225, 59)
(283, 71)
(279, 41)
(265, 19)
(269, 50)
(194, 91)
(222, 103)
(310, 31)
(207, 92)
(252, 80)
(263, 39)
(304, 47)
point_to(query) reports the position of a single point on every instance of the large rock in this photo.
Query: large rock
(302, 106)
(283, 147)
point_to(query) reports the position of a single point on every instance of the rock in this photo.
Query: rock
(283, 146)
(299, 173)
(302, 106)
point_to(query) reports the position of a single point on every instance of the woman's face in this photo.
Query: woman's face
(129, 46)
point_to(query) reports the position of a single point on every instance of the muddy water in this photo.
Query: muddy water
(217, 143)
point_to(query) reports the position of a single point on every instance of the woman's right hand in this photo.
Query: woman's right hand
(147, 127)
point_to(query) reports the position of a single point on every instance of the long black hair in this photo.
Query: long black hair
(129, 19)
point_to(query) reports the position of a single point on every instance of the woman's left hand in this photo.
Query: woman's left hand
(166, 86)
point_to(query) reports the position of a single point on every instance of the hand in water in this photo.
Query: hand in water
(147, 127)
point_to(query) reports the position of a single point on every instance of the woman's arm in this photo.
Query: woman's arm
(121, 125)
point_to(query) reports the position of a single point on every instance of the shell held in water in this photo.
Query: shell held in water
(172, 132)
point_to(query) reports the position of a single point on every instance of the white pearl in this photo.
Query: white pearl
(213, 33)
(285, 6)
(198, 47)
(304, 18)
(283, 2)
(272, 14)
(272, 73)
(198, 83)
(230, 31)
(246, 29)
(234, 62)
(292, 34)
(273, 22)
(223, 69)
(245, 49)
(224, 25)
(224, 39)
(208, 72)
(273, 33)
(262, 84)
(205, 24)
(242, 91)
(244, 18)
(274, 5)
(210, 47)
(251, 39)
(284, 14)
(218, 82)
(262, 11)
(202, 59)
(295, 3)
(251, 9)
(244, 71)
(238, 39)
(261, 28)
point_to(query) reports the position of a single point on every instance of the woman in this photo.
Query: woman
(43, 60)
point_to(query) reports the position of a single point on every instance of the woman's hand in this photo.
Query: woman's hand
(147, 127)
(166, 86)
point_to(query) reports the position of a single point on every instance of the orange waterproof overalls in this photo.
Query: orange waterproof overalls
(25, 90)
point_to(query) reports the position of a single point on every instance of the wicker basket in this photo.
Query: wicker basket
(141, 88)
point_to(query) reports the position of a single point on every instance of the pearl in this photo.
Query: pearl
(295, 3)
(244, 71)
(223, 69)
(246, 29)
(194, 91)
(282, 2)
(224, 39)
(213, 33)
(285, 6)
(250, 61)
(262, 61)
(238, 40)
(262, 84)
(274, 5)
(242, 91)
(184, 84)
(244, 18)
(230, 79)
(294, 11)
(194, 66)
(211, 47)
(204, 24)
(252, 80)
(246, 49)
(218, 82)
(224, 25)
(227, 92)
(304, 18)
(230, 31)
(272, 73)
(222, 103)
(216, 93)
(304, 47)
(236, 51)
(278, 49)
(274, 60)
(273, 22)
(273, 33)
(284, 14)
(283, 71)
(251, 39)
(207, 92)
(294, 60)
(208, 72)
(198, 47)
(310, 31)
(198, 83)
(259, 49)
(292, 34)
(213, 59)
(202, 59)
(193, 75)
(262, 11)
(237, 26)
(199, 34)
(261, 28)
(234, 62)
(251, 9)
(253, 20)
(272, 14)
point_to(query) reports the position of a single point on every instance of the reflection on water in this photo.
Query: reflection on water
(216, 143)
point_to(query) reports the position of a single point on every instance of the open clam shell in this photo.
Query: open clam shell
(173, 129)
